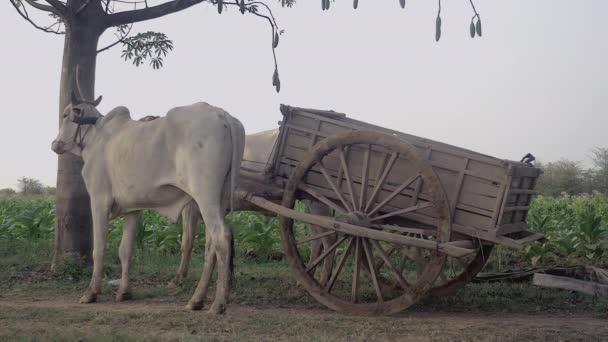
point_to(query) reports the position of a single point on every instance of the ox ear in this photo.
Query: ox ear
(96, 103)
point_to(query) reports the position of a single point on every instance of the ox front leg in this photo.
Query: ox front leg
(100, 211)
(126, 248)
(190, 216)
(196, 302)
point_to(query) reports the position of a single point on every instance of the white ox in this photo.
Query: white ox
(258, 150)
(191, 154)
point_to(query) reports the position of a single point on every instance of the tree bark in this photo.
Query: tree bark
(73, 212)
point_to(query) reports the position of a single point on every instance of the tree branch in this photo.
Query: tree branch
(59, 6)
(42, 7)
(129, 17)
(26, 16)
(121, 39)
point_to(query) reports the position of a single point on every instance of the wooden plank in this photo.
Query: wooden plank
(565, 283)
(472, 209)
(350, 229)
(488, 171)
(522, 191)
(500, 197)
(511, 228)
(530, 238)
(412, 139)
(516, 208)
(283, 131)
(487, 236)
(507, 185)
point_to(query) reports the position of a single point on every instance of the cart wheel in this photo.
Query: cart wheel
(367, 177)
(457, 273)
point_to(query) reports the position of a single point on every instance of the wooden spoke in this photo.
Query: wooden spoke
(381, 179)
(343, 257)
(372, 270)
(406, 254)
(349, 181)
(357, 271)
(325, 254)
(462, 262)
(389, 253)
(419, 261)
(364, 180)
(406, 251)
(314, 193)
(315, 237)
(333, 186)
(394, 194)
(390, 265)
(443, 277)
(404, 211)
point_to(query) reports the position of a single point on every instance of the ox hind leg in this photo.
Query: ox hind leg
(190, 216)
(218, 248)
(124, 252)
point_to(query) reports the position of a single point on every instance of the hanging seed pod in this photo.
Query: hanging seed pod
(277, 86)
(478, 26)
(327, 4)
(438, 28)
(402, 2)
(275, 42)
(323, 5)
(275, 77)
(472, 28)
(220, 6)
(242, 7)
(355, 4)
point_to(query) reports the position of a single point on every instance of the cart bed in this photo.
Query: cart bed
(489, 197)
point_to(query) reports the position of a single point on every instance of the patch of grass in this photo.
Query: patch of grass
(264, 285)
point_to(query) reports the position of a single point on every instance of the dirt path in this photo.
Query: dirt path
(63, 318)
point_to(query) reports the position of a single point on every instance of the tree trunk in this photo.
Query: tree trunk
(73, 212)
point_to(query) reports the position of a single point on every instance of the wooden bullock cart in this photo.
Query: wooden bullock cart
(410, 215)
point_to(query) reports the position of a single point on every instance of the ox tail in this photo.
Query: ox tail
(237, 139)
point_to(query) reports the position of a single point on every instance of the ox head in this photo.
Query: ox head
(77, 118)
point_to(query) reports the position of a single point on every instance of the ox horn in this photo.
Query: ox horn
(78, 94)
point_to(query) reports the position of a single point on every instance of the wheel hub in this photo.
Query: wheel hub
(356, 218)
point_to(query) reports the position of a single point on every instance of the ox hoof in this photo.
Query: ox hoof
(217, 309)
(194, 306)
(88, 297)
(122, 296)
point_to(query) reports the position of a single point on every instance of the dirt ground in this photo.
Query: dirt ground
(61, 318)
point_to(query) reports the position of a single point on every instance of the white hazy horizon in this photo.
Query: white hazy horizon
(535, 82)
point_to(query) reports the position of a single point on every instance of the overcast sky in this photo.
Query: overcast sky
(536, 82)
